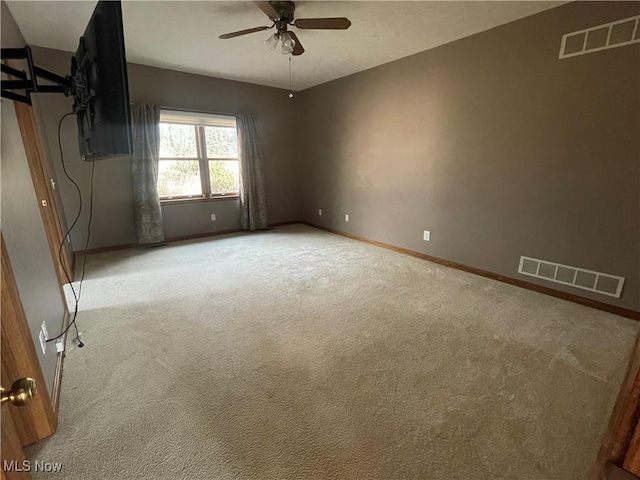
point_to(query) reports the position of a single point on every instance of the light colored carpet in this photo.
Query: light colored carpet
(297, 354)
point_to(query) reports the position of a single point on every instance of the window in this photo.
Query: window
(198, 156)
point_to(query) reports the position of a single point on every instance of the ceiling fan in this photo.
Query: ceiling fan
(282, 15)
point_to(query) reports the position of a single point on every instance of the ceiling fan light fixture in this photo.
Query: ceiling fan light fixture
(272, 41)
(288, 43)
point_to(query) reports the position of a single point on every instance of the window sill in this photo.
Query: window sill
(176, 201)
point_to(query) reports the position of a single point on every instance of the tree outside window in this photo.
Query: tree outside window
(197, 161)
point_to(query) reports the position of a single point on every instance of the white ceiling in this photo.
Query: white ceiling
(183, 35)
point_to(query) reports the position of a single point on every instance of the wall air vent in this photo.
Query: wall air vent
(575, 277)
(602, 37)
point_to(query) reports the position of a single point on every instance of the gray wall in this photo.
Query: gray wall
(113, 213)
(22, 227)
(492, 143)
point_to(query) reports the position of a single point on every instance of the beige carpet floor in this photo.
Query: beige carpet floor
(297, 354)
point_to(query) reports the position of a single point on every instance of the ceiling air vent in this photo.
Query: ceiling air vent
(593, 39)
(575, 277)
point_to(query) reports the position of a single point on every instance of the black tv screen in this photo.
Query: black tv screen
(100, 86)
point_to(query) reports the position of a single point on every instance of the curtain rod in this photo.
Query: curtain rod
(210, 112)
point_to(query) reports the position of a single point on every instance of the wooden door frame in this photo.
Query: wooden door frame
(41, 177)
(43, 187)
(619, 455)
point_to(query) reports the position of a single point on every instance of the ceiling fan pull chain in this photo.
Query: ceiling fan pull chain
(290, 89)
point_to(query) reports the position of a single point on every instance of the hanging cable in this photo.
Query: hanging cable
(76, 295)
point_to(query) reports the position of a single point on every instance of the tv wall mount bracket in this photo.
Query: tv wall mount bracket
(28, 81)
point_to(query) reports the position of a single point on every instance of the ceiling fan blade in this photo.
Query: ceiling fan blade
(243, 32)
(268, 9)
(323, 23)
(298, 49)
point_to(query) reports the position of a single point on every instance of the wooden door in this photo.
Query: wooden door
(28, 424)
(11, 451)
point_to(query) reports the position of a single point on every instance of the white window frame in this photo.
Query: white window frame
(199, 121)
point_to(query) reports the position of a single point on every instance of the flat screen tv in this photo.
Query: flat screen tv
(100, 88)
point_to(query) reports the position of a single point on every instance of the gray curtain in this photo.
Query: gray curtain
(145, 121)
(253, 205)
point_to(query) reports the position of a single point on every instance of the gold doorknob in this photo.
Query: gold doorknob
(21, 392)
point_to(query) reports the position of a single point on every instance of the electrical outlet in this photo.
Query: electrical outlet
(213, 217)
(43, 342)
(427, 236)
(44, 329)
(320, 211)
(68, 239)
(346, 217)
